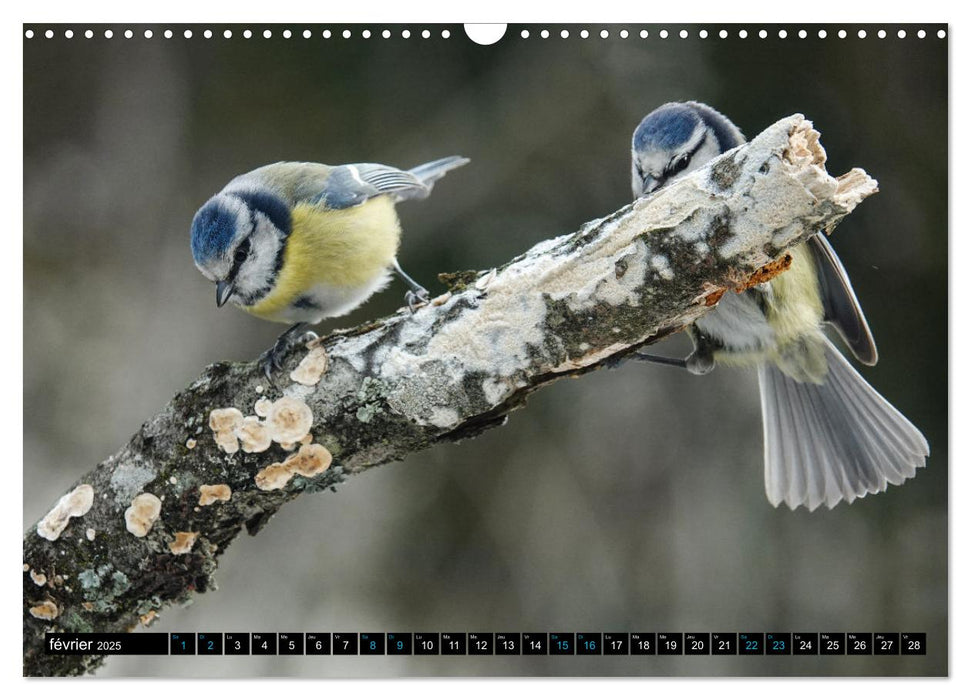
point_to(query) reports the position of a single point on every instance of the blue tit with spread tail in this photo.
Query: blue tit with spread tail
(828, 435)
(300, 242)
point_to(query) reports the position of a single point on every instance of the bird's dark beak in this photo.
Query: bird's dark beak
(224, 290)
(650, 184)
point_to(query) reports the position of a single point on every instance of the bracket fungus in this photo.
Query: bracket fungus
(253, 435)
(45, 610)
(273, 477)
(262, 407)
(223, 423)
(183, 542)
(310, 460)
(142, 514)
(71, 505)
(210, 493)
(311, 367)
(289, 419)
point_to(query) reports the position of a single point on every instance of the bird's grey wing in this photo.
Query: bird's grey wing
(840, 306)
(350, 185)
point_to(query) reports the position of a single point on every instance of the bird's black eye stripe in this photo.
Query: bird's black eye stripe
(676, 166)
(239, 257)
(242, 251)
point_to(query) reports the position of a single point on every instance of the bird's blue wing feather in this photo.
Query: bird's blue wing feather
(350, 185)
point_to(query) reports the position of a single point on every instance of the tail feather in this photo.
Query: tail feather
(428, 173)
(835, 441)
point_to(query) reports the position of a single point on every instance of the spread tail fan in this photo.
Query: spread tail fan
(835, 441)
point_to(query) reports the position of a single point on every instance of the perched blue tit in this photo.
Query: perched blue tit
(828, 435)
(300, 242)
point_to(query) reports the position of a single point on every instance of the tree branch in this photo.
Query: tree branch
(146, 527)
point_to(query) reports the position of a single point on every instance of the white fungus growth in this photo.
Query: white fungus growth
(262, 407)
(353, 350)
(90, 533)
(495, 391)
(142, 514)
(443, 416)
(289, 420)
(72, 505)
(38, 578)
(210, 493)
(253, 435)
(661, 265)
(311, 367)
(508, 328)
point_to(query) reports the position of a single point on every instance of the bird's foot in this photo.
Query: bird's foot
(272, 360)
(307, 337)
(697, 363)
(615, 362)
(416, 298)
(417, 295)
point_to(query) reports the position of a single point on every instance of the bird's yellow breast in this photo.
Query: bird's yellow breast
(795, 312)
(336, 247)
(796, 308)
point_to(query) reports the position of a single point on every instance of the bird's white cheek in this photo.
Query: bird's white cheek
(258, 274)
(703, 155)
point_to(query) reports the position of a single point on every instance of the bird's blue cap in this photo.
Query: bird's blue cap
(665, 128)
(213, 228)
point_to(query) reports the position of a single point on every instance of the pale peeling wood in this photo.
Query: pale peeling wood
(407, 382)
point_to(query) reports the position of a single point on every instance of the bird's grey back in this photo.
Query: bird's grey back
(344, 186)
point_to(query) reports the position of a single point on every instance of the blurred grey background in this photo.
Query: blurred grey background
(630, 500)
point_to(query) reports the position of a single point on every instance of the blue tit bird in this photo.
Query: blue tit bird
(828, 435)
(299, 242)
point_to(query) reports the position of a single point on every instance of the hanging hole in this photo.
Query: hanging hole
(485, 34)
